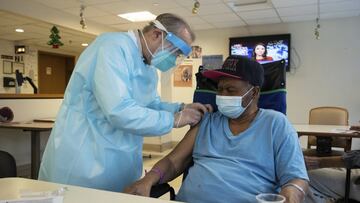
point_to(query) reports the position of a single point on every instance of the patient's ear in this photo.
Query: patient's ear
(257, 91)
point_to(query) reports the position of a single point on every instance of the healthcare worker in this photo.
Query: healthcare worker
(111, 102)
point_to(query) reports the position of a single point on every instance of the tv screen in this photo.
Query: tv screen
(263, 49)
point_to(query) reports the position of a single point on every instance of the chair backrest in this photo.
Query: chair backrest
(7, 165)
(273, 91)
(328, 115)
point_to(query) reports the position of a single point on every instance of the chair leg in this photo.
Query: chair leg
(172, 194)
(347, 185)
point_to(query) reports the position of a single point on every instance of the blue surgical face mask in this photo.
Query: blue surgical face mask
(163, 60)
(231, 106)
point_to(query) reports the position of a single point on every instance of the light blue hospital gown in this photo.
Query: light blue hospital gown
(110, 103)
(235, 169)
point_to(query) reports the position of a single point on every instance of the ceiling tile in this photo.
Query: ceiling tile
(88, 12)
(19, 36)
(8, 21)
(288, 19)
(194, 20)
(181, 11)
(263, 6)
(36, 28)
(129, 26)
(221, 17)
(94, 2)
(60, 4)
(299, 10)
(340, 6)
(237, 23)
(203, 26)
(213, 9)
(119, 7)
(340, 14)
(190, 3)
(258, 14)
(161, 4)
(263, 21)
(292, 3)
(108, 19)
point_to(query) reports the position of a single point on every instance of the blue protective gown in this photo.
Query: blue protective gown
(110, 103)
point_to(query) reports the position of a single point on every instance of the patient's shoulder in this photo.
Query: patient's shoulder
(269, 114)
(211, 117)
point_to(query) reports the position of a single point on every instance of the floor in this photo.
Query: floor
(149, 162)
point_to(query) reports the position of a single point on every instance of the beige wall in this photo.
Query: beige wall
(327, 70)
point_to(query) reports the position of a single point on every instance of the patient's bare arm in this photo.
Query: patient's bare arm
(295, 190)
(167, 168)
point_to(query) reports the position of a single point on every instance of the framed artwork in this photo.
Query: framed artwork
(196, 52)
(7, 67)
(18, 66)
(183, 76)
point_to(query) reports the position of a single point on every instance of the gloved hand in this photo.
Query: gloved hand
(199, 107)
(191, 114)
(187, 117)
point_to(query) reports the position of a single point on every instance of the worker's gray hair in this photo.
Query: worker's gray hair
(172, 23)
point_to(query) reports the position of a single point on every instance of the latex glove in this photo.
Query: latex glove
(199, 107)
(141, 187)
(188, 116)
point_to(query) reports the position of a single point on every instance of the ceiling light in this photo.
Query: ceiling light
(19, 30)
(249, 2)
(138, 16)
(84, 44)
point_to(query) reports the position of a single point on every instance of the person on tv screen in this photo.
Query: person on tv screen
(260, 53)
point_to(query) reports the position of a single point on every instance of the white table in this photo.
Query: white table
(325, 130)
(10, 187)
(329, 131)
(35, 128)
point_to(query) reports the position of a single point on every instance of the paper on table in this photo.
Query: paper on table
(56, 199)
(341, 130)
(27, 196)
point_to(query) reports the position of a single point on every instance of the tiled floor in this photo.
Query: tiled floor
(150, 162)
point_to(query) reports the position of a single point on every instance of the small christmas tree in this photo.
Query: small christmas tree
(55, 38)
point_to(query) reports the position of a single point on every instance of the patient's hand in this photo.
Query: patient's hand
(141, 187)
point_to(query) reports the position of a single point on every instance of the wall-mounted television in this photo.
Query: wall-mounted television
(264, 48)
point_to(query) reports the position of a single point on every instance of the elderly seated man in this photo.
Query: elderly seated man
(237, 152)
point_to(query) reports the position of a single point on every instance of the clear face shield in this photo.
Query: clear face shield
(171, 53)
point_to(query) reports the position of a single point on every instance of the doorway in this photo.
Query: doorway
(54, 72)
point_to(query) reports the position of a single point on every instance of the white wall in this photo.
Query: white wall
(17, 142)
(30, 61)
(327, 71)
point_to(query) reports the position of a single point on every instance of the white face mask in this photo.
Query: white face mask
(231, 106)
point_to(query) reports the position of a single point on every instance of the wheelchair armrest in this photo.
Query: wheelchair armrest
(161, 189)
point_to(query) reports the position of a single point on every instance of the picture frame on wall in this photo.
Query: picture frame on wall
(18, 66)
(183, 76)
(7, 67)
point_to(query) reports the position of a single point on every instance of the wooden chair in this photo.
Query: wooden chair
(329, 116)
